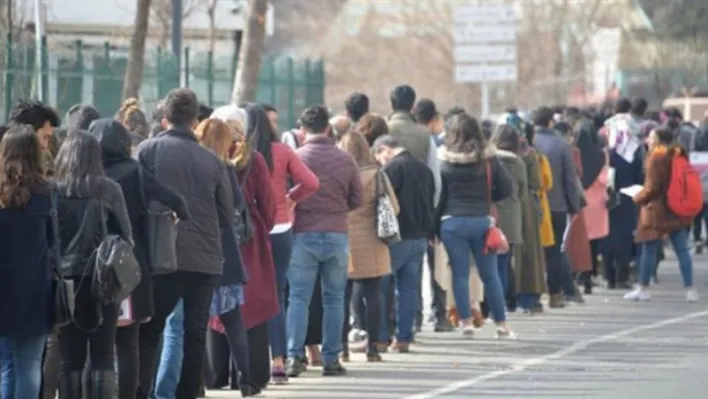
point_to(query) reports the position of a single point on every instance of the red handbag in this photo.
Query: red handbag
(495, 240)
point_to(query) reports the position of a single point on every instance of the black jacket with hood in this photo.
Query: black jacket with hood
(120, 167)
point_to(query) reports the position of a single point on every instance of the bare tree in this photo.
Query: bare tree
(136, 56)
(161, 13)
(211, 14)
(251, 53)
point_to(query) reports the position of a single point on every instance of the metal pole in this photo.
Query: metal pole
(39, 34)
(177, 32)
(485, 99)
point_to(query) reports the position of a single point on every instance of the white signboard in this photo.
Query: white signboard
(485, 73)
(484, 38)
(485, 52)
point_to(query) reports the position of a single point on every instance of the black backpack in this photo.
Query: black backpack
(243, 226)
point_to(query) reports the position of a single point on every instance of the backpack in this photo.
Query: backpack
(685, 194)
(243, 226)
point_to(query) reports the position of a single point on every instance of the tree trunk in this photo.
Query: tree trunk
(211, 14)
(136, 57)
(250, 54)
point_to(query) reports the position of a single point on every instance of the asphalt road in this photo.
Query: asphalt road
(607, 348)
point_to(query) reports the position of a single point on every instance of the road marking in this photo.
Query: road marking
(569, 350)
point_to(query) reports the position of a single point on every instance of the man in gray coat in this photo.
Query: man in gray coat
(564, 201)
(177, 160)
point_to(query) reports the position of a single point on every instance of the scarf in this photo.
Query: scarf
(623, 136)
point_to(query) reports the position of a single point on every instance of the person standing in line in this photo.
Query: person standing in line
(321, 244)
(564, 199)
(283, 163)
(27, 263)
(356, 106)
(205, 185)
(413, 185)
(426, 114)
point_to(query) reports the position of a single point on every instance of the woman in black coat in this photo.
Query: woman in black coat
(139, 189)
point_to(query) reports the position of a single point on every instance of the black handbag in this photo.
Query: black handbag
(243, 226)
(64, 302)
(116, 271)
(161, 234)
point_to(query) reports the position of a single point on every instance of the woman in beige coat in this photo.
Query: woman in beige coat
(369, 257)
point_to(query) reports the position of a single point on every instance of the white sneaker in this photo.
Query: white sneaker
(692, 295)
(467, 330)
(505, 333)
(637, 295)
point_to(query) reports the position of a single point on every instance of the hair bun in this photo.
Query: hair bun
(130, 103)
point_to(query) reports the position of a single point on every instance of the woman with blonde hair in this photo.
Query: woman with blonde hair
(228, 297)
(134, 119)
(261, 303)
(369, 256)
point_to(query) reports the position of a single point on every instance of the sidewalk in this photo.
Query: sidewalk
(607, 348)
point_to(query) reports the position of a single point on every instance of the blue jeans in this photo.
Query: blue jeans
(406, 264)
(460, 235)
(282, 247)
(528, 301)
(650, 249)
(171, 358)
(21, 366)
(326, 255)
(504, 266)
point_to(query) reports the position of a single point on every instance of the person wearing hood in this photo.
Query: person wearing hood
(139, 189)
(80, 117)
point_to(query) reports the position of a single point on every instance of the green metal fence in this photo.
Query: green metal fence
(80, 73)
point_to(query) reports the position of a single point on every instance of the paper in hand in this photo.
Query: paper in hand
(631, 191)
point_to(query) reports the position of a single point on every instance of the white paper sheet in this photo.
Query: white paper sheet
(631, 191)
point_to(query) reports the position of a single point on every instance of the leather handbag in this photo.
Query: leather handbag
(494, 241)
(243, 225)
(160, 234)
(64, 302)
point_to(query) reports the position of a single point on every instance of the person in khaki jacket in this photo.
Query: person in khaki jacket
(369, 256)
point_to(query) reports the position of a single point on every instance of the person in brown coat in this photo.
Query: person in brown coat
(656, 220)
(369, 257)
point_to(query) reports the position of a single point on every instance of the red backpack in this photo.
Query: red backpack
(685, 194)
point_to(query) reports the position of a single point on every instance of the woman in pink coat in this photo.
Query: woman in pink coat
(594, 179)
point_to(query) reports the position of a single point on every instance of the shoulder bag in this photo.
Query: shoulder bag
(386, 221)
(116, 271)
(160, 234)
(495, 240)
(63, 289)
(243, 226)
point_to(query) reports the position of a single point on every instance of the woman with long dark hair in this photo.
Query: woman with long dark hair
(84, 193)
(25, 264)
(291, 182)
(472, 180)
(139, 188)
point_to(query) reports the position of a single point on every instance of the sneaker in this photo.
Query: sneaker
(692, 295)
(444, 326)
(295, 367)
(505, 333)
(278, 376)
(467, 331)
(698, 247)
(333, 370)
(637, 295)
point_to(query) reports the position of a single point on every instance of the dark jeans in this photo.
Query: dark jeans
(438, 306)
(195, 289)
(217, 368)
(558, 272)
(281, 247)
(94, 324)
(369, 289)
(128, 360)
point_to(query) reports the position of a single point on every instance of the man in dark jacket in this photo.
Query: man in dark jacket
(177, 160)
(414, 186)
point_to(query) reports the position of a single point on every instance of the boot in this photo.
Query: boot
(623, 282)
(70, 385)
(556, 301)
(103, 385)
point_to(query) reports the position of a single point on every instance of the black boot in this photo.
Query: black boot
(623, 282)
(70, 385)
(102, 385)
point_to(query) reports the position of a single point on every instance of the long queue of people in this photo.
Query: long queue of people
(147, 259)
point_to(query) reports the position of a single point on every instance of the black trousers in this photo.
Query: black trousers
(557, 268)
(127, 348)
(259, 347)
(95, 327)
(195, 289)
(368, 291)
(226, 350)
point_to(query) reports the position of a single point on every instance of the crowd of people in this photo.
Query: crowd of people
(205, 248)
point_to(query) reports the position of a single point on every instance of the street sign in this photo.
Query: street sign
(483, 33)
(485, 73)
(482, 14)
(489, 53)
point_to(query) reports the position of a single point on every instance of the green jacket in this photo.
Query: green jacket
(412, 136)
